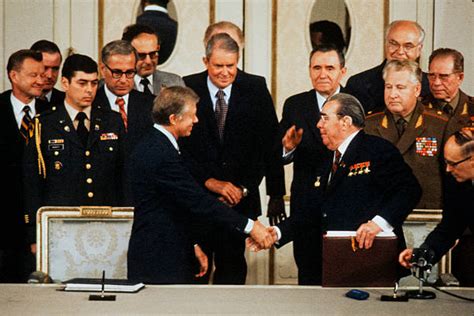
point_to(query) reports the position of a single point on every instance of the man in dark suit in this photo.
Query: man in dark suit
(118, 70)
(52, 62)
(168, 201)
(303, 146)
(149, 79)
(17, 108)
(76, 157)
(459, 201)
(276, 207)
(446, 74)
(156, 16)
(403, 40)
(416, 131)
(232, 148)
(366, 186)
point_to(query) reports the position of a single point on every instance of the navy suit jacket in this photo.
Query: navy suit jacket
(368, 87)
(389, 189)
(138, 117)
(12, 145)
(251, 145)
(57, 97)
(168, 202)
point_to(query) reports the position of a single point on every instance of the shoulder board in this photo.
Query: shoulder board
(370, 114)
(440, 115)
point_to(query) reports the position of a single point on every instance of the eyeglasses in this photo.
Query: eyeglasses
(442, 77)
(453, 164)
(117, 73)
(152, 55)
(394, 46)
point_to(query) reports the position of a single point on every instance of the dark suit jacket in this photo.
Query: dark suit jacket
(57, 97)
(457, 216)
(68, 181)
(302, 110)
(165, 27)
(368, 87)
(12, 144)
(139, 119)
(389, 190)
(250, 149)
(167, 200)
(463, 116)
(421, 146)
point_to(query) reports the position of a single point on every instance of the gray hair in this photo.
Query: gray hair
(221, 41)
(421, 31)
(223, 26)
(350, 106)
(406, 65)
(171, 100)
(118, 47)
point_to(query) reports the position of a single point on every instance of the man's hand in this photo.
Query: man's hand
(292, 138)
(366, 234)
(263, 237)
(202, 259)
(405, 257)
(254, 246)
(276, 210)
(231, 193)
(33, 248)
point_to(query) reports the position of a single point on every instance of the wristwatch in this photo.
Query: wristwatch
(245, 191)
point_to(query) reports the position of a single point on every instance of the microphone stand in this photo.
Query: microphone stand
(421, 272)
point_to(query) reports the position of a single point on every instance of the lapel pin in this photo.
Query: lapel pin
(317, 184)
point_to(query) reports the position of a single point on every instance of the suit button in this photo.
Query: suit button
(88, 166)
(111, 149)
(90, 195)
(88, 153)
(56, 153)
(89, 180)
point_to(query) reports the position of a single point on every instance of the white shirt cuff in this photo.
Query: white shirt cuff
(278, 231)
(249, 226)
(382, 223)
(287, 154)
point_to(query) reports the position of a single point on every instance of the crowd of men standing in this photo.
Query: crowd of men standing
(190, 153)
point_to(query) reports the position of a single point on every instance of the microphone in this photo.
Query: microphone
(423, 258)
(39, 277)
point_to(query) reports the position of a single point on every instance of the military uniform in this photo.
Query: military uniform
(463, 115)
(421, 145)
(60, 171)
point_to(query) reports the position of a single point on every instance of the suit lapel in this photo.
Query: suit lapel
(312, 113)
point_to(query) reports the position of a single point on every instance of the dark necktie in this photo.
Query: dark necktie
(221, 113)
(26, 127)
(448, 109)
(121, 104)
(335, 164)
(82, 130)
(401, 125)
(145, 82)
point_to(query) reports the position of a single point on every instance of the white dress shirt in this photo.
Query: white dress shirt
(18, 109)
(112, 98)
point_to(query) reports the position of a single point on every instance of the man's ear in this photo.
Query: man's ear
(64, 84)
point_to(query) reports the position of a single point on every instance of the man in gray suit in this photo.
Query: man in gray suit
(148, 79)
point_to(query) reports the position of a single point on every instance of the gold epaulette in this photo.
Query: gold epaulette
(41, 163)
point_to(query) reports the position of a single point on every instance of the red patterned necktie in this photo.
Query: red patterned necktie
(221, 113)
(121, 104)
(335, 164)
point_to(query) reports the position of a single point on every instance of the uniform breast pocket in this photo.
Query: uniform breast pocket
(56, 156)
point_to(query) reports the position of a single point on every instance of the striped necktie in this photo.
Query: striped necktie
(26, 127)
(221, 113)
(121, 104)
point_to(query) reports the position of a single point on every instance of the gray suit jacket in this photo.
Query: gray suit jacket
(162, 79)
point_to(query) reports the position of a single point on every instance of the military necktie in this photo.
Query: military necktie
(401, 125)
(448, 109)
(82, 130)
(145, 82)
(26, 127)
(221, 113)
(121, 104)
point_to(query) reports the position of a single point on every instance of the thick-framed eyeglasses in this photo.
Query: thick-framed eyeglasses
(394, 46)
(152, 55)
(453, 164)
(443, 77)
(117, 73)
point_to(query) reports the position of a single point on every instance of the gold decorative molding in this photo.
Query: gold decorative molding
(100, 36)
(212, 11)
(274, 51)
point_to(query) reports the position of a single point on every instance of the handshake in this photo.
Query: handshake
(261, 237)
